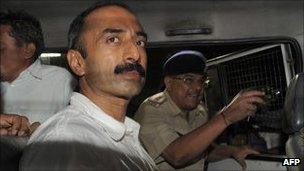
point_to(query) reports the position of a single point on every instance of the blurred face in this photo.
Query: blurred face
(12, 57)
(185, 90)
(115, 46)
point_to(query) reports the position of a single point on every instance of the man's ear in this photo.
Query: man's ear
(168, 82)
(76, 62)
(29, 50)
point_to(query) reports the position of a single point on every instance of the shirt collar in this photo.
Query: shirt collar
(174, 108)
(34, 70)
(115, 129)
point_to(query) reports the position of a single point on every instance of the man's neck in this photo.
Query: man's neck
(111, 105)
(13, 76)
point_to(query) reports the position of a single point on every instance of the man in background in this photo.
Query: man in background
(174, 123)
(30, 92)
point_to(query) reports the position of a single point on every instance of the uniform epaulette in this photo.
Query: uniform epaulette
(157, 99)
(202, 110)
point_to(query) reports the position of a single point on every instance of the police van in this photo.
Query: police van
(248, 44)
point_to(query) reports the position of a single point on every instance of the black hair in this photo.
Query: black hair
(77, 26)
(25, 28)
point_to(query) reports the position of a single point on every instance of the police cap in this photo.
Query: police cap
(185, 61)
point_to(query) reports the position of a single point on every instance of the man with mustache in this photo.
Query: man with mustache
(174, 127)
(107, 53)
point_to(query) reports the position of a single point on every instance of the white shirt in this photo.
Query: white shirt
(38, 92)
(83, 137)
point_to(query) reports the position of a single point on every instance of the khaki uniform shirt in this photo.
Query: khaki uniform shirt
(162, 122)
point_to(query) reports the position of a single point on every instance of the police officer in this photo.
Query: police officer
(174, 127)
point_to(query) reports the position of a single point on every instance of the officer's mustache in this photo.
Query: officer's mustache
(119, 69)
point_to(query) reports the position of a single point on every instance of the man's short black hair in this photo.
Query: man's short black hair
(25, 28)
(77, 26)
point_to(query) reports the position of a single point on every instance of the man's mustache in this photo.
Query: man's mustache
(119, 69)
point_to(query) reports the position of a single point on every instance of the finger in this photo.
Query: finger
(253, 93)
(255, 100)
(17, 120)
(34, 126)
(251, 151)
(5, 120)
(24, 128)
(3, 131)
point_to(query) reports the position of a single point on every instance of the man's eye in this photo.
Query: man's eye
(113, 40)
(188, 80)
(141, 43)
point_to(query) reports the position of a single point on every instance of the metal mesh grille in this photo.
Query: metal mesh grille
(261, 69)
